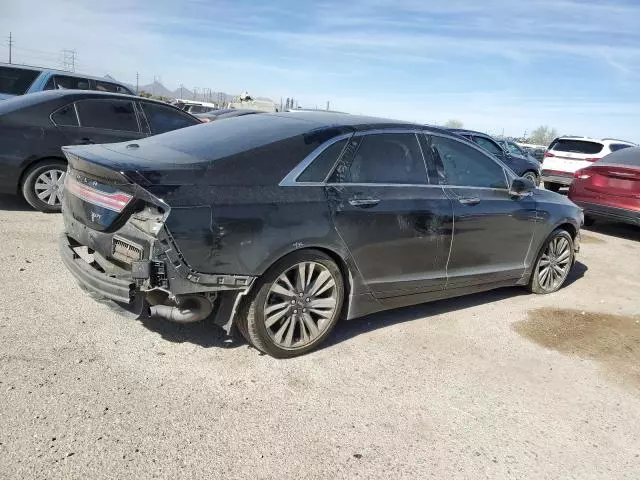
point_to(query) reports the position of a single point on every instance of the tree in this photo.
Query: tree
(543, 135)
(453, 124)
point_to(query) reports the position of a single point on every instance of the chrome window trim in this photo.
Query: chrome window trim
(290, 179)
(60, 108)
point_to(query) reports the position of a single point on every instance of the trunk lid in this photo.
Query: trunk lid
(620, 181)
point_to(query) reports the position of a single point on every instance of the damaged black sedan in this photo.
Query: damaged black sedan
(281, 224)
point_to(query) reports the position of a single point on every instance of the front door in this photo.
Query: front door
(396, 226)
(492, 228)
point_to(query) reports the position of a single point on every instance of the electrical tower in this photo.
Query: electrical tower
(69, 60)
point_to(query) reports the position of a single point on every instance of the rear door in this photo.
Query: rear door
(100, 121)
(492, 229)
(396, 225)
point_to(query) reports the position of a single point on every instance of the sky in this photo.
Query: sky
(500, 66)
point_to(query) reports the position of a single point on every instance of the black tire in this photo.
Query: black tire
(535, 282)
(531, 175)
(552, 187)
(29, 191)
(251, 316)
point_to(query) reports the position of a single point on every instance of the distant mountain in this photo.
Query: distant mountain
(157, 88)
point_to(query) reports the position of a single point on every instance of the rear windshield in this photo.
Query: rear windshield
(16, 81)
(211, 141)
(577, 146)
(626, 156)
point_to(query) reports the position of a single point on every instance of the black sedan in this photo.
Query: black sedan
(34, 127)
(522, 165)
(284, 223)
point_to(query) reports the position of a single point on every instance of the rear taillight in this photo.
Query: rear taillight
(548, 154)
(592, 159)
(582, 174)
(115, 201)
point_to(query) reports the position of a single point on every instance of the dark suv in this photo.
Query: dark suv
(287, 222)
(523, 165)
(34, 127)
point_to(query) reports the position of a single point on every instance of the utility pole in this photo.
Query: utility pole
(10, 46)
(181, 91)
(137, 83)
(327, 105)
(195, 93)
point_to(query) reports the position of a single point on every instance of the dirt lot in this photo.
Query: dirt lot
(497, 385)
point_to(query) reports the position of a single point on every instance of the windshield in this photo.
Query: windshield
(577, 146)
(16, 81)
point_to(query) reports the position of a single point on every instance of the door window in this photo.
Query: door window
(463, 165)
(382, 158)
(488, 145)
(16, 81)
(108, 114)
(318, 170)
(165, 119)
(65, 116)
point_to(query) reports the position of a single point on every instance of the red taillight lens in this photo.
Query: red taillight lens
(592, 159)
(114, 201)
(582, 174)
(548, 154)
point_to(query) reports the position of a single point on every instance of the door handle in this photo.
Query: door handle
(86, 141)
(469, 200)
(364, 202)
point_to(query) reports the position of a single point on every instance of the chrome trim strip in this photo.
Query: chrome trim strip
(424, 159)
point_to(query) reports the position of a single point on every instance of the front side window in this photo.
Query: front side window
(462, 165)
(488, 145)
(318, 170)
(515, 149)
(65, 116)
(382, 158)
(108, 114)
(70, 83)
(16, 81)
(165, 119)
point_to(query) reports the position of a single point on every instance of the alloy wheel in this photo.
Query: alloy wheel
(300, 305)
(554, 264)
(48, 186)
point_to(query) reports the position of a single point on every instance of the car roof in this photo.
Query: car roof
(466, 131)
(63, 72)
(592, 139)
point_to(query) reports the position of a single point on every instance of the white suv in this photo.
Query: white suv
(566, 155)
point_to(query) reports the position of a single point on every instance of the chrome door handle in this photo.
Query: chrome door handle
(364, 202)
(469, 200)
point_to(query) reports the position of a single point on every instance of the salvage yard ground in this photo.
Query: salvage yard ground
(496, 385)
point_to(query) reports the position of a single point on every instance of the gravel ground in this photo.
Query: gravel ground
(495, 385)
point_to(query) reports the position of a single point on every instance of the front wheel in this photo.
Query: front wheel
(295, 305)
(553, 263)
(42, 185)
(531, 176)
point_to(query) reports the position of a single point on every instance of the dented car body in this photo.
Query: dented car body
(287, 222)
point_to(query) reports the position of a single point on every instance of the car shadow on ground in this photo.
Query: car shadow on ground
(347, 330)
(615, 229)
(14, 203)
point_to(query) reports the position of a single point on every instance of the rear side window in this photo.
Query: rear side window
(318, 170)
(163, 119)
(65, 116)
(618, 146)
(488, 145)
(577, 146)
(16, 81)
(384, 158)
(463, 165)
(111, 87)
(108, 114)
(62, 82)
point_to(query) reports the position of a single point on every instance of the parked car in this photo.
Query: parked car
(521, 165)
(20, 80)
(610, 188)
(566, 155)
(226, 113)
(515, 149)
(283, 223)
(34, 127)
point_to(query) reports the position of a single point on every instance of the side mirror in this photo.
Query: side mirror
(521, 187)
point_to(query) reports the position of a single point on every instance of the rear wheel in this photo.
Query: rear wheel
(42, 185)
(553, 187)
(553, 263)
(295, 305)
(531, 176)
